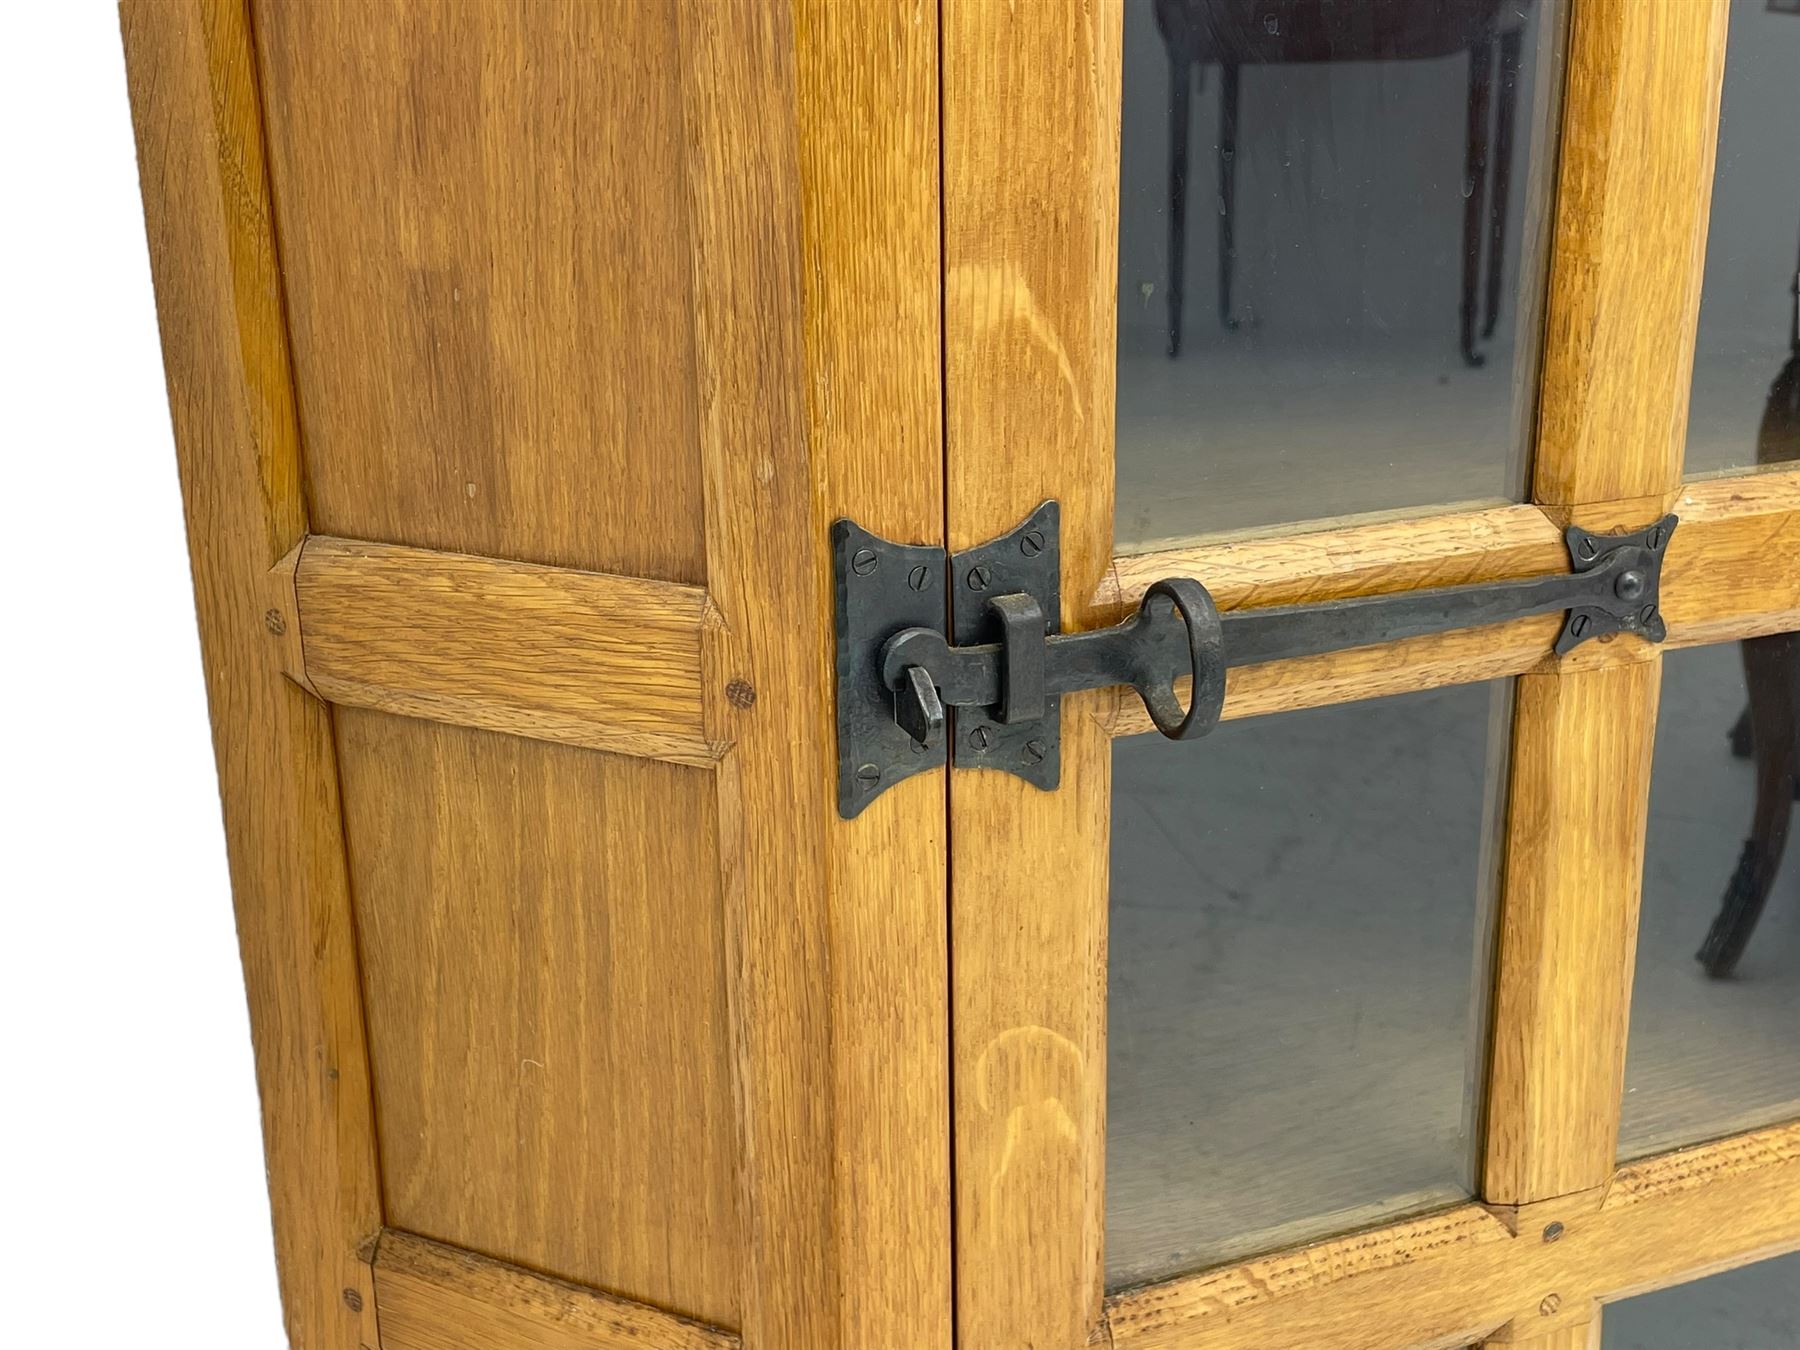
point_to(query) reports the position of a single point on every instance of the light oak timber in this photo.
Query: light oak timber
(608, 662)
(1728, 575)
(867, 90)
(430, 1296)
(1461, 1276)
(1640, 123)
(486, 242)
(196, 111)
(1031, 144)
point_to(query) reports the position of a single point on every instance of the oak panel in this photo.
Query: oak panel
(1463, 1275)
(485, 228)
(613, 663)
(1640, 130)
(544, 957)
(1031, 145)
(195, 108)
(433, 1297)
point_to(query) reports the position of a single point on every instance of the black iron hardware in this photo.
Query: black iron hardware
(1002, 663)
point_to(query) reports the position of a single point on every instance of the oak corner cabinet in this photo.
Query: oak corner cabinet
(926, 673)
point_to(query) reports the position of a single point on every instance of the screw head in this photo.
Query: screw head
(1578, 625)
(863, 562)
(1630, 585)
(1553, 1232)
(918, 747)
(868, 775)
(1035, 752)
(919, 578)
(1031, 543)
(1588, 548)
(981, 738)
(980, 578)
(1647, 614)
(1656, 538)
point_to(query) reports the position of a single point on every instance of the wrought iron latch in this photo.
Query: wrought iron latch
(919, 635)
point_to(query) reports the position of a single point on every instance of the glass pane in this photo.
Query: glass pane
(1298, 915)
(1751, 1308)
(1714, 1054)
(1746, 394)
(1335, 306)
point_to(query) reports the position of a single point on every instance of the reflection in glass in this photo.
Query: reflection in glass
(1294, 1027)
(1745, 407)
(1331, 248)
(1752, 1308)
(1715, 1042)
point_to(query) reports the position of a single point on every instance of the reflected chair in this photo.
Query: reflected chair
(1769, 730)
(1232, 34)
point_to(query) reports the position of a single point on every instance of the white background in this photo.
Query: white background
(132, 1203)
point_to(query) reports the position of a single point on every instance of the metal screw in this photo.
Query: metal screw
(1550, 1304)
(919, 578)
(864, 562)
(1553, 1232)
(1035, 752)
(980, 578)
(1588, 547)
(1646, 614)
(1629, 586)
(868, 775)
(274, 622)
(918, 747)
(1031, 543)
(981, 738)
(1578, 625)
(1656, 538)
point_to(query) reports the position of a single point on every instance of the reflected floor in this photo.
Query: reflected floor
(1243, 433)
(1707, 1057)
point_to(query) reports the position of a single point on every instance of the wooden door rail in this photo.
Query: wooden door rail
(1729, 575)
(430, 1296)
(1473, 1273)
(623, 664)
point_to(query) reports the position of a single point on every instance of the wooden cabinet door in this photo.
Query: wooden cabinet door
(1312, 1033)
(520, 358)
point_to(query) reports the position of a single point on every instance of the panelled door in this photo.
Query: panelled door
(1320, 1031)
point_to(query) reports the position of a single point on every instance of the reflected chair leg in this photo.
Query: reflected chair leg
(1481, 60)
(1180, 77)
(1772, 672)
(1228, 131)
(1504, 117)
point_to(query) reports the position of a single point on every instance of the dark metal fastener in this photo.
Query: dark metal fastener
(919, 578)
(864, 562)
(979, 578)
(981, 738)
(1031, 543)
(1553, 1232)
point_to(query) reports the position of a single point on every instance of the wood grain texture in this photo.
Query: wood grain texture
(485, 228)
(206, 204)
(433, 1297)
(764, 570)
(1639, 132)
(608, 662)
(1728, 575)
(1460, 1276)
(1031, 144)
(544, 955)
(1578, 802)
(867, 85)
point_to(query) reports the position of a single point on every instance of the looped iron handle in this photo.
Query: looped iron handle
(1175, 631)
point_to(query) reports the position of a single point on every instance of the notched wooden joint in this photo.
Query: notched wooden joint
(281, 617)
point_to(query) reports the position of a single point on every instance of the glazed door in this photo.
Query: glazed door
(1314, 1031)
